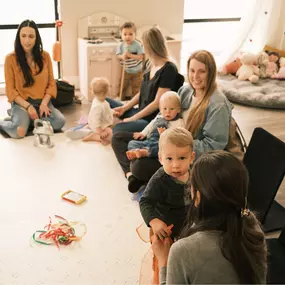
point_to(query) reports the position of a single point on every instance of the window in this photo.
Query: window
(210, 25)
(43, 12)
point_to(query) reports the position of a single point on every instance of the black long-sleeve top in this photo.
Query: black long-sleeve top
(167, 199)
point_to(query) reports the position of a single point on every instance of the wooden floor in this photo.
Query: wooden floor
(247, 118)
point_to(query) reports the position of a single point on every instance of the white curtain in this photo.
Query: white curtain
(264, 23)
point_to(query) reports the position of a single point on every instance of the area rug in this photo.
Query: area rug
(32, 181)
(266, 93)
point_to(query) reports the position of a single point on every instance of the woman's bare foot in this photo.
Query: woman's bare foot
(143, 152)
(21, 132)
(131, 154)
(92, 137)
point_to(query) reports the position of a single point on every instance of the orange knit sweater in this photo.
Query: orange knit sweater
(44, 81)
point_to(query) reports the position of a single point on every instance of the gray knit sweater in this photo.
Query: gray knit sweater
(214, 131)
(198, 260)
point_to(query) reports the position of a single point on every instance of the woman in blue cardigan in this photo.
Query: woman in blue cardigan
(207, 114)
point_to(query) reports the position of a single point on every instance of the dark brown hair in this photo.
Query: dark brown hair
(128, 25)
(21, 56)
(222, 181)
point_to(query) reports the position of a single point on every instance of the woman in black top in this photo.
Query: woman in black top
(161, 76)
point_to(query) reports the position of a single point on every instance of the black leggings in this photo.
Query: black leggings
(142, 168)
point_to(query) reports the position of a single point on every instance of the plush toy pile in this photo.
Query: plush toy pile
(251, 67)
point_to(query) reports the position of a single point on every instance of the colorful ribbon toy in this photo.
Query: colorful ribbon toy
(62, 233)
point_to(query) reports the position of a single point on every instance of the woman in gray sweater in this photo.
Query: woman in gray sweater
(222, 242)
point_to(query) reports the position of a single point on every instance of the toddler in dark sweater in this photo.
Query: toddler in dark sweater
(166, 198)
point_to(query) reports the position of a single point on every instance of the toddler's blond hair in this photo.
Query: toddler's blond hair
(179, 137)
(100, 86)
(170, 96)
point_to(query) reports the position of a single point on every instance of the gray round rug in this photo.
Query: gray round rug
(266, 93)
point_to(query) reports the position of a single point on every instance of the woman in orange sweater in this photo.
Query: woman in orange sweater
(30, 84)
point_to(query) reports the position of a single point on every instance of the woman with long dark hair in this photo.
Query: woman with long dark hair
(30, 84)
(222, 241)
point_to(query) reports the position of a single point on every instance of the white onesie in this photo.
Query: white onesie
(100, 115)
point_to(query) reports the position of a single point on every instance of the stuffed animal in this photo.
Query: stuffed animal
(272, 66)
(281, 72)
(248, 71)
(262, 62)
(231, 67)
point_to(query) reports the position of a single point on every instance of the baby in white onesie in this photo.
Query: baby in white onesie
(100, 118)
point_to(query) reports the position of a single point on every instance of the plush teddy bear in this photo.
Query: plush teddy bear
(248, 71)
(272, 66)
(281, 72)
(262, 62)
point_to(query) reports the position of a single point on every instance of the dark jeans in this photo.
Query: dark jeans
(142, 168)
(136, 126)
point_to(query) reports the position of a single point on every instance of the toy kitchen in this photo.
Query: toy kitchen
(98, 39)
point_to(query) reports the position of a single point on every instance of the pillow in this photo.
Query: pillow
(269, 48)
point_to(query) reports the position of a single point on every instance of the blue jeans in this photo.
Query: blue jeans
(150, 144)
(136, 126)
(20, 118)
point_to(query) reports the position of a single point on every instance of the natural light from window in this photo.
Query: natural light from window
(212, 36)
(41, 11)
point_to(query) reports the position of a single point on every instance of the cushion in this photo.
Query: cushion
(269, 48)
(266, 93)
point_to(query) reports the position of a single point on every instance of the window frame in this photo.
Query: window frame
(41, 26)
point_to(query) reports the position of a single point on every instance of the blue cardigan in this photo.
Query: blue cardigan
(214, 131)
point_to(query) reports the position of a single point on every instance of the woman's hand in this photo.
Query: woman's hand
(32, 112)
(119, 111)
(161, 249)
(160, 228)
(138, 136)
(44, 110)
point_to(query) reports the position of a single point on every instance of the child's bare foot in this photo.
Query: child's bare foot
(141, 153)
(92, 137)
(131, 154)
(21, 132)
(108, 139)
(105, 141)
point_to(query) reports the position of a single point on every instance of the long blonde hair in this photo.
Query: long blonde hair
(154, 44)
(197, 114)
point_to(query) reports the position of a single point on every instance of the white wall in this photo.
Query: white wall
(167, 13)
(277, 36)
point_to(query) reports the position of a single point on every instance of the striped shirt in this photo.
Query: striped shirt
(132, 65)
